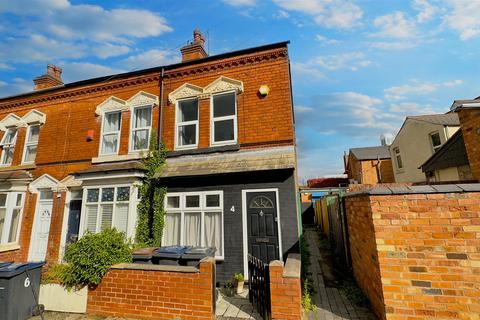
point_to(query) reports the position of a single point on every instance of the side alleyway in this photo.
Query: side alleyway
(331, 301)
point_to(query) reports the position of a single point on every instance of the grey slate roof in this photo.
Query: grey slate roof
(112, 167)
(229, 162)
(451, 154)
(399, 190)
(449, 119)
(371, 153)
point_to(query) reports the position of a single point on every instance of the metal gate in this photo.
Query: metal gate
(259, 286)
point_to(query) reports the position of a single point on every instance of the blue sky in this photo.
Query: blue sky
(359, 67)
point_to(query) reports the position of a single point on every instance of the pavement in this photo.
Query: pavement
(236, 307)
(331, 300)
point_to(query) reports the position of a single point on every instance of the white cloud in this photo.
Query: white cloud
(303, 109)
(325, 40)
(416, 87)
(341, 14)
(75, 71)
(411, 108)
(301, 70)
(427, 11)
(463, 17)
(351, 61)
(395, 25)
(4, 66)
(240, 3)
(2, 84)
(393, 45)
(151, 58)
(32, 7)
(281, 14)
(110, 50)
(18, 85)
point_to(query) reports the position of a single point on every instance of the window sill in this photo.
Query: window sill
(19, 167)
(9, 247)
(116, 157)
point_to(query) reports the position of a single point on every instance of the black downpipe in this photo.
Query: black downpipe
(160, 113)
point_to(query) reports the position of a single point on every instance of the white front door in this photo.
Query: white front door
(41, 227)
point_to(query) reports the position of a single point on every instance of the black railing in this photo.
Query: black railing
(259, 286)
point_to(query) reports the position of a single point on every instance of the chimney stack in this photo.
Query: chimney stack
(52, 78)
(194, 50)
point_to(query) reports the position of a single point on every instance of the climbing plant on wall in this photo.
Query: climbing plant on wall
(150, 208)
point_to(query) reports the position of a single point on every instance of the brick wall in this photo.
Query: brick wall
(365, 172)
(285, 289)
(156, 293)
(417, 256)
(470, 126)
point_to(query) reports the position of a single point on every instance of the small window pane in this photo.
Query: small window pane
(92, 195)
(12, 237)
(192, 201)
(188, 110)
(92, 218)
(107, 194)
(173, 202)
(171, 231)
(192, 229)
(8, 155)
(3, 212)
(140, 139)
(224, 130)
(109, 143)
(3, 199)
(112, 122)
(46, 195)
(106, 216)
(213, 200)
(224, 105)
(9, 136)
(30, 153)
(143, 117)
(33, 134)
(121, 217)
(18, 201)
(187, 135)
(213, 231)
(76, 194)
(123, 193)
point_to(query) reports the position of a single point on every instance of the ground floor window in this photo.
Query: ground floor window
(194, 219)
(109, 207)
(11, 207)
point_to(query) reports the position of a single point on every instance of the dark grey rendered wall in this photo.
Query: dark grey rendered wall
(232, 186)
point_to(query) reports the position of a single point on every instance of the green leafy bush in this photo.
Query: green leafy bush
(54, 274)
(92, 255)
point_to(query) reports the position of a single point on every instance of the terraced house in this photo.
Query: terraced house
(71, 156)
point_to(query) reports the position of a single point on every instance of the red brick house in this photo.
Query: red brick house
(369, 165)
(70, 156)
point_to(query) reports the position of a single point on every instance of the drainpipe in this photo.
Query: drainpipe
(379, 172)
(160, 113)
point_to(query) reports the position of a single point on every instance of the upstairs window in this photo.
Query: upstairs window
(31, 143)
(111, 133)
(186, 124)
(224, 119)
(398, 158)
(8, 146)
(141, 128)
(435, 141)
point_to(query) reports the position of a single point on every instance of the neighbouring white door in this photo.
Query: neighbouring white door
(41, 226)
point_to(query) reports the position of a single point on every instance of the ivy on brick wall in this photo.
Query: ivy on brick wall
(150, 208)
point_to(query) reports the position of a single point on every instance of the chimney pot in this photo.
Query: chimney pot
(52, 78)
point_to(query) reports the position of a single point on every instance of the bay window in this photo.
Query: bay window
(194, 219)
(11, 206)
(141, 128)
(224, 119)
(186, 124)
(8, 145)
(108, 207)
(31, 143)
(110, 133)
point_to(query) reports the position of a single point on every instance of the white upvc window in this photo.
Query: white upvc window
(398, 158)
(108, 207)
(31, 143)
(110, 141)
(141, 128)
(435, 141)
(223, 124)
(8, 145)
(11, 207)
(194, 219)
(186, 124)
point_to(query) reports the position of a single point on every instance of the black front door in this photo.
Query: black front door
(262, 225)
(73, 221)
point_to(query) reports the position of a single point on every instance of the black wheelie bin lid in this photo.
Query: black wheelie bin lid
(198, 253)
(143, 254)
(13, 269)
(170, 252)
(5, 263)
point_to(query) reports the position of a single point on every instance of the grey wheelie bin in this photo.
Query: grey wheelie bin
(143, 255)
(193, 255)
(169, 255)
(19, 289)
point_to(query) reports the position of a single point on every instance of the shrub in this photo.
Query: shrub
(92, 255)
(239, 277)
(54, 274)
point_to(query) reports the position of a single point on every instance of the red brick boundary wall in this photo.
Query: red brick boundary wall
(417, 255)
(156, 292)
(285, 288)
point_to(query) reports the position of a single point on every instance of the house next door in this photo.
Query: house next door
(262, 225)
(41, 226)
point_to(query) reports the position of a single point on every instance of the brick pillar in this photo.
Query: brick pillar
(285, 289)
(55, 235)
